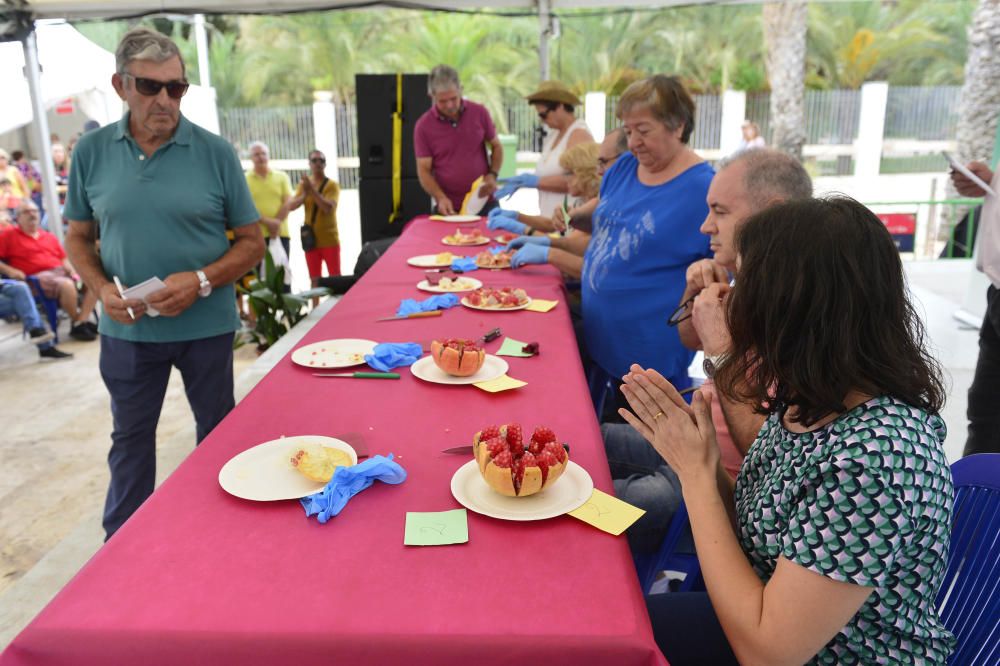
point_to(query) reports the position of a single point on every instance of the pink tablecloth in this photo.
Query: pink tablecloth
(201, 577)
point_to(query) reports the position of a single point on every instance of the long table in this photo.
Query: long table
(198, 576)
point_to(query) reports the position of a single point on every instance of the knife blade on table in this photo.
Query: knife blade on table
(414, 315)
(359, 375)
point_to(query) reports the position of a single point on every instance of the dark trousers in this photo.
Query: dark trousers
(984, 394)
(687, 630)
(136, 374)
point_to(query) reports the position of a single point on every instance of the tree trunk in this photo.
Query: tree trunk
(980, 105)
(785, 36)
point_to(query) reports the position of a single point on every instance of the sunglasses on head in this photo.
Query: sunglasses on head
(152, 87)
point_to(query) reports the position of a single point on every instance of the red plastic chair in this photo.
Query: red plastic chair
(969, 600)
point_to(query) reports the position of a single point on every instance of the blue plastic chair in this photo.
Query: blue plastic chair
(50, 305)
(599, 383)
(668, 559)
(969, 600)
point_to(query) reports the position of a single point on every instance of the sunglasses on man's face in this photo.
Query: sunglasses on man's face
(544, 114)
(318, 160)
(152, 87)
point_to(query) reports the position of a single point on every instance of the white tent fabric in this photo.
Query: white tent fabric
(123, 8)
(72, 66)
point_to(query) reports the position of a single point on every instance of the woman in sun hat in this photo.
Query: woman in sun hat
(556, 105)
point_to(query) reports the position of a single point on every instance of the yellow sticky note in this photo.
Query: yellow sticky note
(541, 305)
(503, 383)
(608, 513)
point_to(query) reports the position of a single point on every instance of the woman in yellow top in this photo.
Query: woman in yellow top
(320, 239)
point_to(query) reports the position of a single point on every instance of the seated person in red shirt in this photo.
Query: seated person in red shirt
(29, 250)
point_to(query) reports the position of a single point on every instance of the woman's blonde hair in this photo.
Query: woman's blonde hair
(665, 97)
(581, 159)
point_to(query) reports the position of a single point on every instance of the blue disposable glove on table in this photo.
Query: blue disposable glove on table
(532, 253)
(529, 240)
(348, 482)
(389, 355)
(442, 302)
(514, 183)
(464, 265)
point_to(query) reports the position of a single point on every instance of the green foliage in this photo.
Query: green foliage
(279, 60)
(276, 312)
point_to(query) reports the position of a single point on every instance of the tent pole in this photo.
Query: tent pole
(41, 125)
(545, 31)
(201, 40)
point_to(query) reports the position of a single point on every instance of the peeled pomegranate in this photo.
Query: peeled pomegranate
(514, 470)
(458, 357)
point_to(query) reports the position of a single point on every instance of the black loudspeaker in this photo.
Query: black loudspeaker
(376, 102)
(376, 205)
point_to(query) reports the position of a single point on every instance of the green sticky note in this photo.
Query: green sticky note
(436, 528)
(512, 347)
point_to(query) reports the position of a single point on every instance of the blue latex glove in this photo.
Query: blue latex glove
(514, 183)
(507, 224)
(389, 355)
(441, 302)
(502, 212)
(464, 265)
(348, 482)
(529, 240)
(532, 253)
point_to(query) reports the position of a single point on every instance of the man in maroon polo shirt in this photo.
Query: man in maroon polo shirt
(450, 140)
(27, 250)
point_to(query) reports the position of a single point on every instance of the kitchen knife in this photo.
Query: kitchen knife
(414, 315)
(359, 375)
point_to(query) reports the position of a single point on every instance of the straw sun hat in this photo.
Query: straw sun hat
(553, 91)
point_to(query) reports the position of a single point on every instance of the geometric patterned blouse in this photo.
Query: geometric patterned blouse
(867, 500)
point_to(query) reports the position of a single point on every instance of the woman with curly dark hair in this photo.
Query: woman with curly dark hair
(842, 508)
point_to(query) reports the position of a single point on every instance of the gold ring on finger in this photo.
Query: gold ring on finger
(657, 415)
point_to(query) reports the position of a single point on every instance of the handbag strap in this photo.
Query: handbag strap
(322, 186)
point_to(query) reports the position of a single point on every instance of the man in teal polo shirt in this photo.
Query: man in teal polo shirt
(162, 193)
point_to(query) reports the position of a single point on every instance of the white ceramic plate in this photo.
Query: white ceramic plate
(425, 369)
(342, 353)
(265, 473)
(471, 284)
(492, 268)
(480, 240)
(430, 261)
(466, 303)
(456, 218)
(570, 491)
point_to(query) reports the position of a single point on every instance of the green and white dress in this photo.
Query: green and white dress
(866, 500)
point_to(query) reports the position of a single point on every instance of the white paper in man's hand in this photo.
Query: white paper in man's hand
(145, 289)
(959, 167)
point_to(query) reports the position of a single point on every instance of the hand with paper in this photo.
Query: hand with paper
(348, 482)
(179, 293)
(117, 305)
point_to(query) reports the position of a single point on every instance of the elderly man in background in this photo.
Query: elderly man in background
(164, 191)
(746, 184)
(271, 189)
(28, 250)
(450, 141)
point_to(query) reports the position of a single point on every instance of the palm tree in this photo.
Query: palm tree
(980, 107)
(785, 35)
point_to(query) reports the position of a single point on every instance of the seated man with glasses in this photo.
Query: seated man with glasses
(28, 250)
(745, 184)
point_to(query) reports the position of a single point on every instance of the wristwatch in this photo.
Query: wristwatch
(711, 363)
(205, 287)
(493, 173)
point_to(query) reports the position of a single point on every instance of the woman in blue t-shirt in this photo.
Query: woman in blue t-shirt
(842, 507)
(645, 235)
